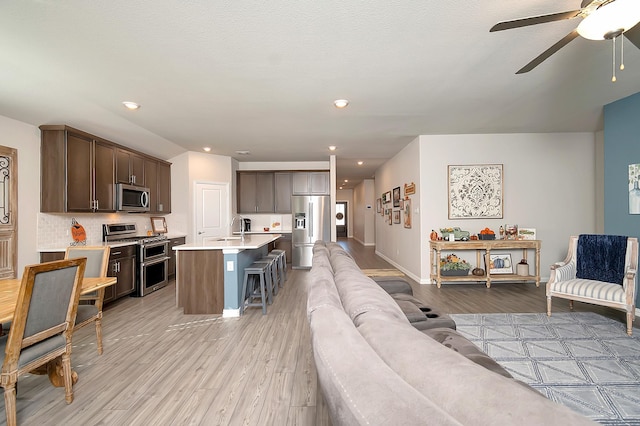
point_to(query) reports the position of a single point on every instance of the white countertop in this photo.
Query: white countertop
(251, 241)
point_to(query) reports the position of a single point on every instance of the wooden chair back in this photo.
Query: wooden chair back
(46, 307)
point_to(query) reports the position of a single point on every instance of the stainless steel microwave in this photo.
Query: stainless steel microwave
(131, 198)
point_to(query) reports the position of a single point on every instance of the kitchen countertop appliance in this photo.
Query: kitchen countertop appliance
(247, 224)
(311, 219)
(152, 255)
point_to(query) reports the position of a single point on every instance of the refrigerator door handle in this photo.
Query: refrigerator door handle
(311, 220)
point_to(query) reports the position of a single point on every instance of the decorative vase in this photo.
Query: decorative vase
(522, 269)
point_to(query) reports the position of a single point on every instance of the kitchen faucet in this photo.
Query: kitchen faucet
(237, 216)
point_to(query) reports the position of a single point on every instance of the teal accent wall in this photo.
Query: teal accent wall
(621, 148)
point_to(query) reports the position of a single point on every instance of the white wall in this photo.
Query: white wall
(549, 184)
(399, 245)
(26, 139)
(186, 169)
(364, 211)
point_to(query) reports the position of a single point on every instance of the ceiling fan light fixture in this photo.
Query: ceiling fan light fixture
(131, 105)
(610, 20)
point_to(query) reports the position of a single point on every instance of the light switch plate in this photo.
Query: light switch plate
(230, 266)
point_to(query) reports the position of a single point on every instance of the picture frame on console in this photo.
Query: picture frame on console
(500, 264)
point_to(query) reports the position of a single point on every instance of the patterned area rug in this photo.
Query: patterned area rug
(581, 360)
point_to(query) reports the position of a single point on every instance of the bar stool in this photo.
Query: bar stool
(281, 258)
(259, 272)
(270, 277)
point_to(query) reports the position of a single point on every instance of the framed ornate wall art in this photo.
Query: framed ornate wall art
(475, 191)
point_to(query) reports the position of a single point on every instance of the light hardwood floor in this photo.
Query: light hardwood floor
(161, 367)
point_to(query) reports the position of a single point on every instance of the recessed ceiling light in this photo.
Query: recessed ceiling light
(131, 105)
(332, 148)
(243, 152)
(346, 180)
(340, 188)
(360, 163)
(341, 103)
(206, 149)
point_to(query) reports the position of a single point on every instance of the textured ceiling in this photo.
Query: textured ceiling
(261, 76)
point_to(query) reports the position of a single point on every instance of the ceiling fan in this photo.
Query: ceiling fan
(601, 19)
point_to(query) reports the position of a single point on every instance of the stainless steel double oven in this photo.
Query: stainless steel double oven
(152, 255)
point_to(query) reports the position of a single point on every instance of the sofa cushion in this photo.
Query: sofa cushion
(457, 342)
(461, 387)
(421, 316)
(358, 387)
(393, 285)
(360, 293)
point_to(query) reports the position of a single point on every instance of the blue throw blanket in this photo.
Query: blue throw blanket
(601, 258)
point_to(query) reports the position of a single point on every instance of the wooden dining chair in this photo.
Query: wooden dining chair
(90, 307)
(42, 326)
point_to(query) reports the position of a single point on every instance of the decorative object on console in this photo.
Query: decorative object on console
(500, 264)
(511, 232)
(475, 191)
(526, 233)
(458, 234)
(487, 234)
(522, 268)
(478, 272)
(433, 235)
(452, 265)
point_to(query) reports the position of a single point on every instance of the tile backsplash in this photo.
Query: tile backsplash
(54, 230)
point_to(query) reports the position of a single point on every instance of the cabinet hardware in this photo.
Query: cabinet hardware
(115, 253)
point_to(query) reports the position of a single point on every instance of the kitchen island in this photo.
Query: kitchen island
(209, 275)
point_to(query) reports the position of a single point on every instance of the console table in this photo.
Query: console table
(484, 246)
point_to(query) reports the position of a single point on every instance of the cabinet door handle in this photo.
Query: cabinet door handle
(115, 253)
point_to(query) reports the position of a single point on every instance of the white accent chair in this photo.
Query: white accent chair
(566, 281)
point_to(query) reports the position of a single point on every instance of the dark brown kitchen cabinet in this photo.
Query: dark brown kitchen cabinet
(151, 182)
(77, 172)
(130, 168)
(255, 192)
(122, 265)
(163, 204)
(282, 190)
(172, 255)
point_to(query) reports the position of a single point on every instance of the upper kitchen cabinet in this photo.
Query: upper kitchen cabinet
(130, 168)
(157, 177)
(310, 183)
(77, 171)
(163, 204)
(255, 192)
(282, 188)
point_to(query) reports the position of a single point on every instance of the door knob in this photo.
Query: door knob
(200, 232)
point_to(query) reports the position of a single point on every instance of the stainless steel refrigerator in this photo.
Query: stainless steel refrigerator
(311, 221)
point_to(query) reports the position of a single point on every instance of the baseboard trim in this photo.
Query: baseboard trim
(401, 268)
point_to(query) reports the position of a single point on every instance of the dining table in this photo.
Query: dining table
(9, 289)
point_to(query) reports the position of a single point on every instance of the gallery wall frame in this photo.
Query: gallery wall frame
(475, 191)
(396, 216)
(396, 196)
(407, 213)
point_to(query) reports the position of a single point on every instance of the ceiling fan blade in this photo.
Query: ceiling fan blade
(550, 51)
(633, 34)
(534, 20)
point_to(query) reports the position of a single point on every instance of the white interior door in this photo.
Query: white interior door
(211, 210)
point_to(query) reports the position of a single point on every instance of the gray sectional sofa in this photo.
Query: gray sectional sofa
(375, 368)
